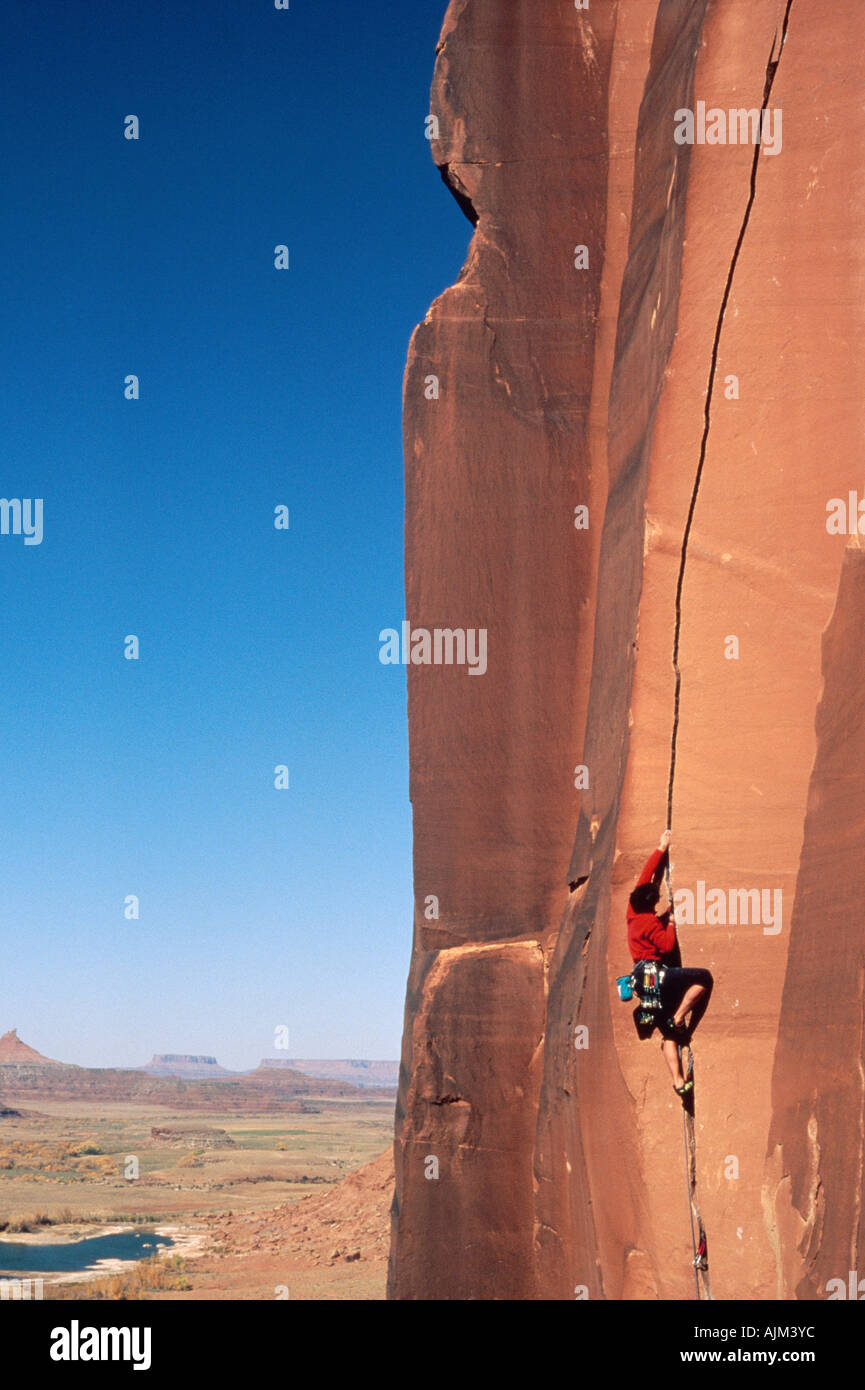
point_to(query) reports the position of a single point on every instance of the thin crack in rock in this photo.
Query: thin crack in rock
(771, 70)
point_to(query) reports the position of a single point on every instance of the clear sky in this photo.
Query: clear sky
(259, 907)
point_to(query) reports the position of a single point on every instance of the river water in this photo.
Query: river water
(76, 1256)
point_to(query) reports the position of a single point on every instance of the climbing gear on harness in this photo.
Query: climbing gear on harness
(644, 1022)
(645, 982)
(625, 987)
(648, 978)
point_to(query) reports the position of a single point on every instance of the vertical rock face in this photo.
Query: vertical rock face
(692, 379)
(494, 470)
(814, 1180)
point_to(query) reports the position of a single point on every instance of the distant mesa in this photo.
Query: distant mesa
(14, 1052)
(190, 1081)
(281, 1072)
(185, 1065)
(354, 1071)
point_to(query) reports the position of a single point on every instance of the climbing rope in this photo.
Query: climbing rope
(698, 1253)
(690, 1202)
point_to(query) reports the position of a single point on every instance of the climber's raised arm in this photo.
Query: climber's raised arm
(654, 868)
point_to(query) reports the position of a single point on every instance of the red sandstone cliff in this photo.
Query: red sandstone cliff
(695, 384)
(814, 1175)
(15, 1052)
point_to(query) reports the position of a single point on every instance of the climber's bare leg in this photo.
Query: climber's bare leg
(694, 995)
(671, 1057)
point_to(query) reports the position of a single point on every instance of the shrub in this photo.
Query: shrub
(157, 1273)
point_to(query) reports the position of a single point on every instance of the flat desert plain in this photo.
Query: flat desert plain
(260, 1206)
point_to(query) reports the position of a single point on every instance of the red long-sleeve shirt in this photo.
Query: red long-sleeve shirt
(651, 937)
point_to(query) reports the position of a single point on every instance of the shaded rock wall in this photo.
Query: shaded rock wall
(814, 1175)
(561, 1167)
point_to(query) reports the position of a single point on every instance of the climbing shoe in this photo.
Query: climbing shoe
(684, 1090)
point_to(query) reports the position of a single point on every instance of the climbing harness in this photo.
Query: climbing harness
(648, 979)
(645, 982)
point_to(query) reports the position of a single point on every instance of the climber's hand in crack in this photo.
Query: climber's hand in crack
(665, 840)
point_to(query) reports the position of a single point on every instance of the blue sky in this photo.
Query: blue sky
(258, 387)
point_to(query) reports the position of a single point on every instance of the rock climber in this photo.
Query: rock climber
(652, 940)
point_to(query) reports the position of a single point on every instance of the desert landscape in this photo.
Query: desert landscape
(515, 724)
(266, 1186)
